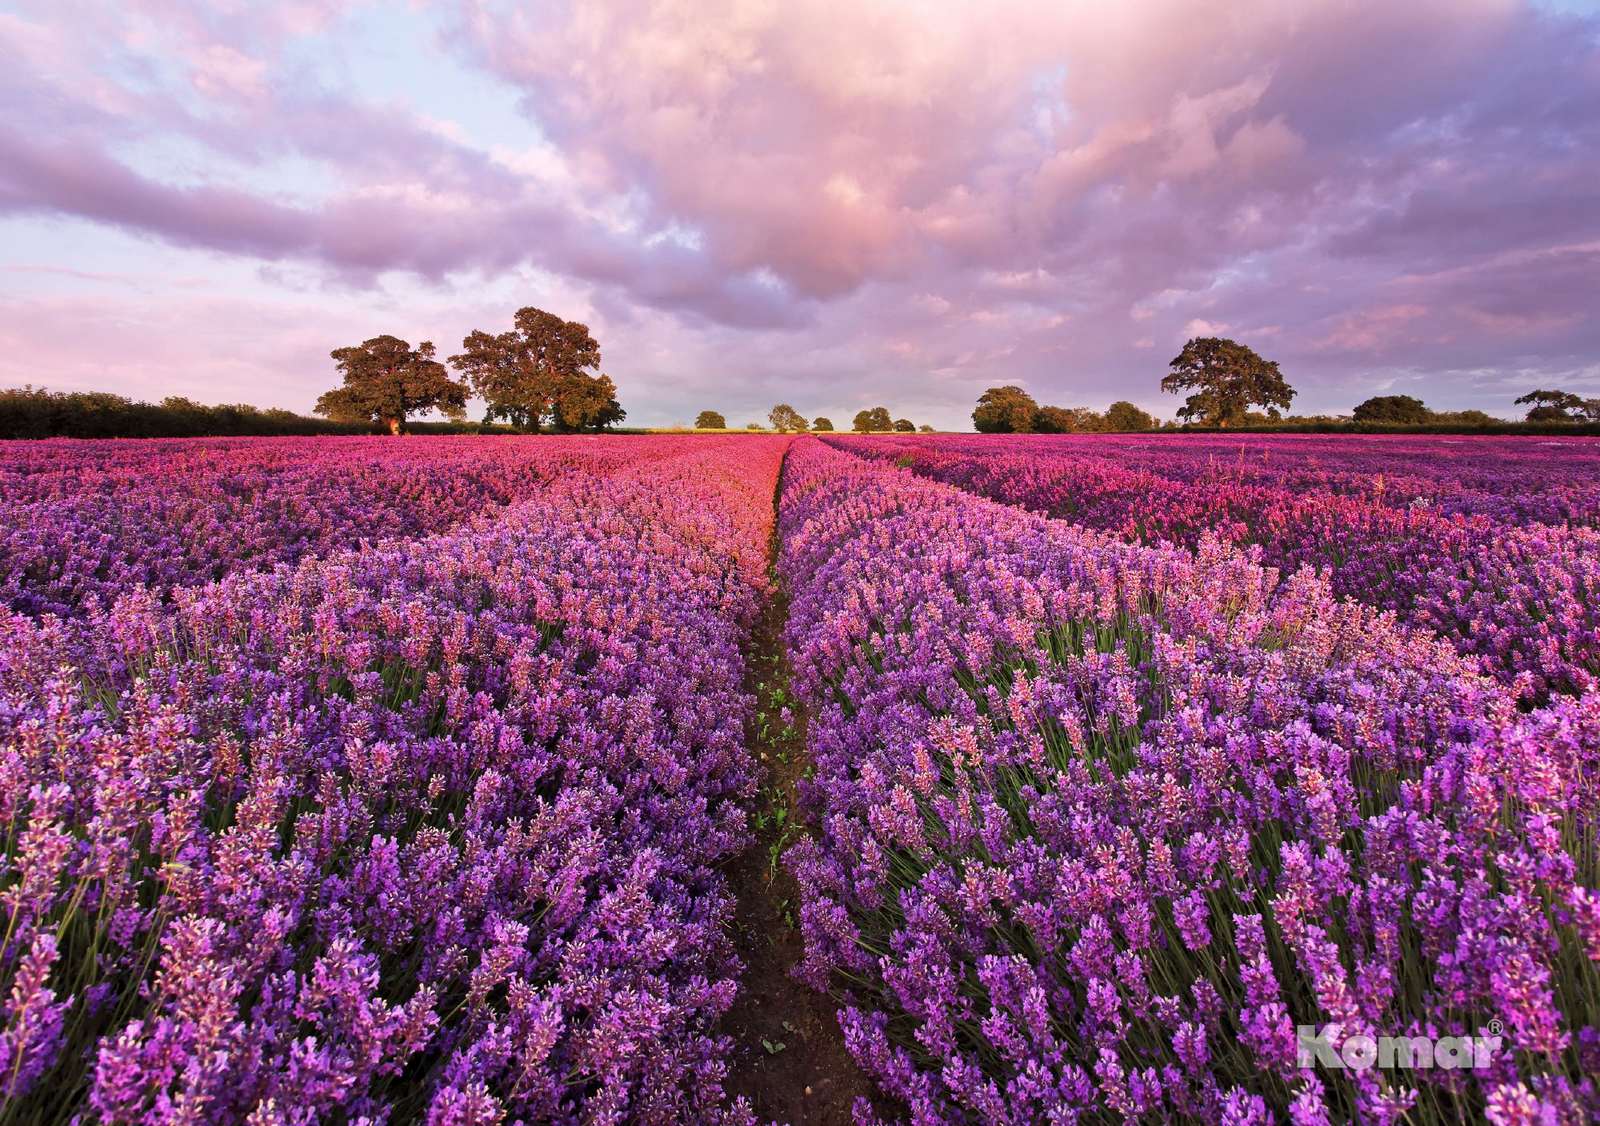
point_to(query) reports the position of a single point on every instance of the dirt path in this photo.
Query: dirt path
(790, 1060)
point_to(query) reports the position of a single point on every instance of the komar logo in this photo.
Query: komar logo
(1329, 1048)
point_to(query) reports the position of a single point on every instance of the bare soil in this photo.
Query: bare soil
(790, 1060)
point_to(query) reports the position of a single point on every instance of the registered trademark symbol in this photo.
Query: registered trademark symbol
(1495, 1026)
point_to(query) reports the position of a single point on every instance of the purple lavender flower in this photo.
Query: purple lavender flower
(424, 827)
(1198, 803)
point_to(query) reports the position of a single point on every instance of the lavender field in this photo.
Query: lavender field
(373, 780)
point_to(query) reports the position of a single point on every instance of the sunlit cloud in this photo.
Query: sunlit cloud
(837, 206)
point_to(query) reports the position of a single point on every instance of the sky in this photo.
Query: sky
(834, 205)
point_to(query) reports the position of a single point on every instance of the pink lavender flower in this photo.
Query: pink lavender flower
(1503, 561)
(1199, 803)
(426, 827)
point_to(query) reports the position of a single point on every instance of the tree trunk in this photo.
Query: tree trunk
(393, 424)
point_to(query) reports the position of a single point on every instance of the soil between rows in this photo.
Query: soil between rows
(790, 1060)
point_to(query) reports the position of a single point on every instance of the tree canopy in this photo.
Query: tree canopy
(1398, 409)
(586, 403)
(1461, 418)
(710, 420)
(1225, 379)
(904, 426)
(387, 381)
(1011, 410)
(1123, 415)
(874, 421)
(1005, 410)
(1559, 406)
(542, 372)
(784, 418)
(822, 424)
(1067, 420)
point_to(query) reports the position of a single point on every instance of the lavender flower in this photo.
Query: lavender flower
(1194, 804)
(426, 827)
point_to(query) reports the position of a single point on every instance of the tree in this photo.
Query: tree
(904, 426)
(1123, 415)
(925, 429)
(387, 381)
(1226, 379)
(1403, 410)
(542, 371)
(710, 420)
(1052, 420)
(1005, 410)
(1553, 406)
(1462, 418)
(586, 403)
(874, 421)
(1066, 420)
(822, 425)
(785, 418)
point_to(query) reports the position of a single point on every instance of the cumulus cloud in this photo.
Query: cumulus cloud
(926, 197)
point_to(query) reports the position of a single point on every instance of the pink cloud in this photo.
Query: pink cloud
(1371, 330)
(1029, 190)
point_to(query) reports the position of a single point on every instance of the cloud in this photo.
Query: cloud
(927, 197)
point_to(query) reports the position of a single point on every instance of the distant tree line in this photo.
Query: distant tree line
(876, 420)
(1011, 410)
(35, 412)
(1408, 410)
(1230, 385)
(786, 420)
(542, 374)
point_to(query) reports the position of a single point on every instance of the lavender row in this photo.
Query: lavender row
(1102, 826)
(425, 830)
(1522, 602)
(82, 523)
(1512, 480)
